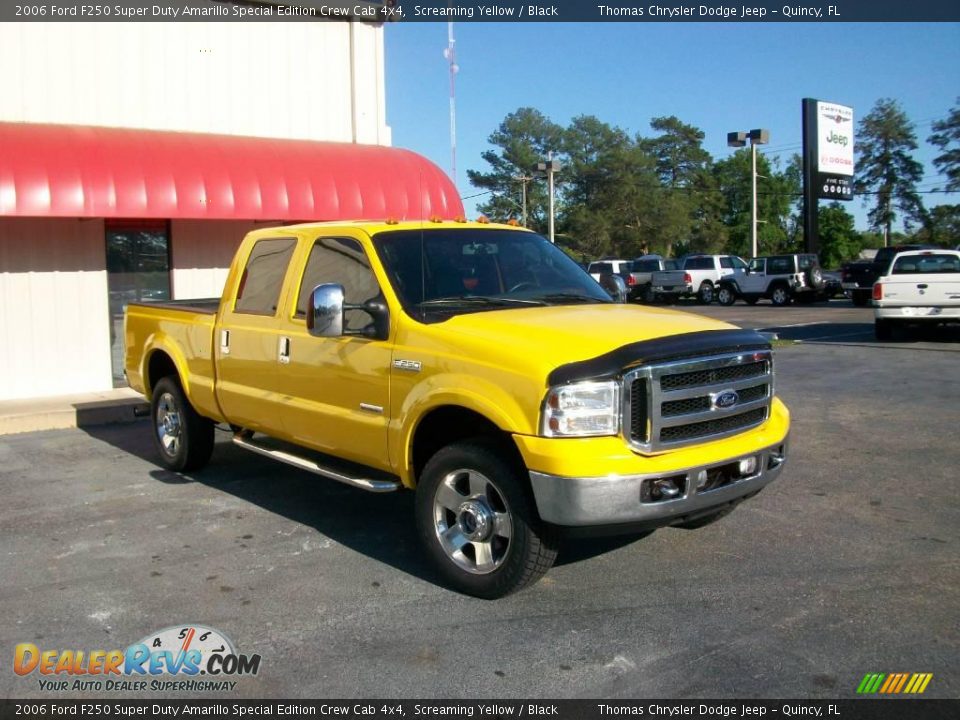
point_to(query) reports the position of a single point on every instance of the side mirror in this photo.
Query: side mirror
(615, 286)
(325, 311)
(325, 314)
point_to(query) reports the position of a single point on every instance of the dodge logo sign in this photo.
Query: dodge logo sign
(725, 399)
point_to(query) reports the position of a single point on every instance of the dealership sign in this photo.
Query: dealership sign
(834, 151)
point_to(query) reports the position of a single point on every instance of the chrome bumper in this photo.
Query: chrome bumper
(585, 501)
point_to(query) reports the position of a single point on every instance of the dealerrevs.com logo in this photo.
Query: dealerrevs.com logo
(181, 657)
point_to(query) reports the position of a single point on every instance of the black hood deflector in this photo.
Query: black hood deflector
(673, 347)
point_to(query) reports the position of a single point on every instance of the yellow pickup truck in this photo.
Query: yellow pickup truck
(477, 364)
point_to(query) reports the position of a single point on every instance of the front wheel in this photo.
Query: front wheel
(726, 295)
(183, 438)
(477, 521)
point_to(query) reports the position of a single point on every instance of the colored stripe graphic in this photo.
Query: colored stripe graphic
(894, 683)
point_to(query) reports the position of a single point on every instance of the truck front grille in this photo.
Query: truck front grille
(679, 403)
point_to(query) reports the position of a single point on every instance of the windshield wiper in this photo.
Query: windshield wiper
(562, 298)
(456, 300)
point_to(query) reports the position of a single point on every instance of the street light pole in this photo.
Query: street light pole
(739, 139)
(550, 167)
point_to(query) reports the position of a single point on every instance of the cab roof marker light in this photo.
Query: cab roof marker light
(436, 219)
(483, 220)
(392, 221)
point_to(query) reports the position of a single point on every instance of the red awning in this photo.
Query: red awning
(72, 171)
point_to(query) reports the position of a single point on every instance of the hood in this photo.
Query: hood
(547, 338)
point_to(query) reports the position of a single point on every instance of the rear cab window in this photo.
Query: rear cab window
(932, 263)
(263, 275)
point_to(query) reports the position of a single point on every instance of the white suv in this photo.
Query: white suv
(704, 273)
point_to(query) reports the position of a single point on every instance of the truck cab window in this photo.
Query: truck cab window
(341, 261)
(262, 278)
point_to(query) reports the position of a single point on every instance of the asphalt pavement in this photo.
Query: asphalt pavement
(847, 565)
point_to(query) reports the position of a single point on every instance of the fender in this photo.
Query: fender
(453, 389)
(198, 389)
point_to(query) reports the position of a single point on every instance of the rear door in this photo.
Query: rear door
(248, 339)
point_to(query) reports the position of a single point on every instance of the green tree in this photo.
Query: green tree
(777, 192)
(608, 190)
(522, 140)
(942, 226)
(886, 169)
(839, 239)
(946, 136)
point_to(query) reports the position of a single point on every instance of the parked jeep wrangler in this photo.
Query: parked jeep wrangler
(781, 278)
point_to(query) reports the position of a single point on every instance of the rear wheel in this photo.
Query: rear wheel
(478, 523)
(780, 295)
(183, 438)
(726, 295)
(705, 293)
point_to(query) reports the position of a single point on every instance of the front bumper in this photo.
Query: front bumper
(625, 499)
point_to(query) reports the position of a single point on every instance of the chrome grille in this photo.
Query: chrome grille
(679, 403)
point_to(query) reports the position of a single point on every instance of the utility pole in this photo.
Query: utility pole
(450, 54)
(523, 180)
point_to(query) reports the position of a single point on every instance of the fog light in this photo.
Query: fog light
(747, 466)
(701, 479)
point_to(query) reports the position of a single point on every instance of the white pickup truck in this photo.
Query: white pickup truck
(920, 286)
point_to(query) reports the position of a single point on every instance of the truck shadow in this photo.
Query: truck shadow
(380, 526)
(863, 333)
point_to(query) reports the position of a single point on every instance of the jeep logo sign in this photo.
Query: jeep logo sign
(725, 399)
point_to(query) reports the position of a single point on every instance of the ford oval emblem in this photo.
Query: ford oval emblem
(726, 399)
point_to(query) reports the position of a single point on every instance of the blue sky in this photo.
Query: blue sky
(717, 76)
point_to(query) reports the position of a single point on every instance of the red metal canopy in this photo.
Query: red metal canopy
(73, 171)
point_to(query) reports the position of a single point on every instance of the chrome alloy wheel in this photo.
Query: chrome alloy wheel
(472, 521)
(168, 424)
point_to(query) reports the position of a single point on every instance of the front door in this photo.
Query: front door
(337, 389)
(755, 280)
(138, 270)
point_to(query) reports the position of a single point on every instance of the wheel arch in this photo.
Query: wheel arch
(443, 425)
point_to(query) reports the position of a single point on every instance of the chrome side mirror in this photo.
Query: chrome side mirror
(615, 286)
(325, 311)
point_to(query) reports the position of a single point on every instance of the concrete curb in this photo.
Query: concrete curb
(73, 411)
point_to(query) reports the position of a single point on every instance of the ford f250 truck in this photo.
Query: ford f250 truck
(475, 364)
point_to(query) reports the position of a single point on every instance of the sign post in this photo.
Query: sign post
(827, 161)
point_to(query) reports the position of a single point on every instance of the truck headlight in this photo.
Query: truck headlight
(581, 410)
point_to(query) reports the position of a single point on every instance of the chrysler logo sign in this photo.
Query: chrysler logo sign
(725, 399)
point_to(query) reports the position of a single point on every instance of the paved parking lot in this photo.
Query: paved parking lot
(846, 565)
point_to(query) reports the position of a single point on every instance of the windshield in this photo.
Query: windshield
(441, 272)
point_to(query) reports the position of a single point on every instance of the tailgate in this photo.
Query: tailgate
(941, 290)
(667, 278)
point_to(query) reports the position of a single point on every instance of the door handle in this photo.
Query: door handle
(283, 352)
(924, 286)
(224, 342)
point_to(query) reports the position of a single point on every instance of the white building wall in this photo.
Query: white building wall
(54, 317)
(202, 251)
(305, 80)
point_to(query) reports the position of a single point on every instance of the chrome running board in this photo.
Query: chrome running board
(378, 486)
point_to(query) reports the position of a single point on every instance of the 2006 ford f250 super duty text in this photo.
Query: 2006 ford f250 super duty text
(477, 364)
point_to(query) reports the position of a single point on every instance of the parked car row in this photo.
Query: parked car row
(722, 278)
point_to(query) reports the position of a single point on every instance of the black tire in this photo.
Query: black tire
(751, 299)
(806, 298)
(705, 293)
(183, 438)
(705, 520)
(726, 295)
(883, 330)
(648, 296)
(860, 298)
(473, 484)
(780, 295)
